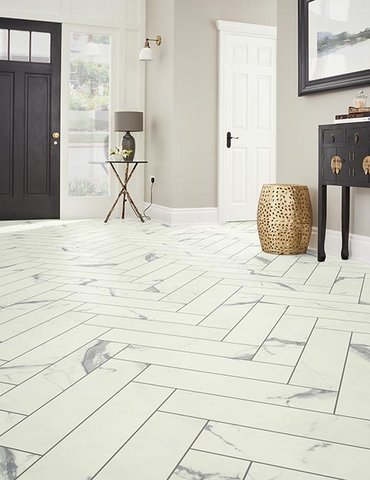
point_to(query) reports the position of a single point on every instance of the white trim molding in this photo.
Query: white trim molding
(359, 245)
(183, 216)
(251, 29)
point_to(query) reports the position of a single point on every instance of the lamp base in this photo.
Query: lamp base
(128, 143)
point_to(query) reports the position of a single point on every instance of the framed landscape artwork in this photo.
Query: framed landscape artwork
(333, 44)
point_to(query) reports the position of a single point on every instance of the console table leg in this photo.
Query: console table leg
(321, 223)
(345, 222)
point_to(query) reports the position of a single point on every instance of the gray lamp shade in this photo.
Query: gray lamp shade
(128, 121)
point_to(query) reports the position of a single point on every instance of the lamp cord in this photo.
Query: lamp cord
(150, 204)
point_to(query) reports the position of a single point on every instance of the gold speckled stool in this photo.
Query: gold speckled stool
(284, 219)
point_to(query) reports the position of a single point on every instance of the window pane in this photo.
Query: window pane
(40, 47)
(19, 46)
(89, 114)
(3, 44)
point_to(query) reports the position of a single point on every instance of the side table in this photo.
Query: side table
(284, 219)
(124, 191)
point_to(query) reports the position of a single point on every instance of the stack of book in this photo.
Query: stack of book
(354, 115)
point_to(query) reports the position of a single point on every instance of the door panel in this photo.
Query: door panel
(6, 133)
(29, 113)
(247, 110)
(37, 135)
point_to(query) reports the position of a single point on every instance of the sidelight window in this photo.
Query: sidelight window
(89, 99)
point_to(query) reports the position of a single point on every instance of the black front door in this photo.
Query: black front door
(29, 119)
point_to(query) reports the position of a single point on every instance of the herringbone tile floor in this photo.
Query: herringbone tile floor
(145, 352)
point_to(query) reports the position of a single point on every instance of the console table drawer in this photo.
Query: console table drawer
(358, 136)
(333, 136)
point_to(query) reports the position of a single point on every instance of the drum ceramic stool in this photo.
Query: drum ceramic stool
(284, 219)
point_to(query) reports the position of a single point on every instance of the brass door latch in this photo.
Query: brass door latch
(366, 165)
(336, 164)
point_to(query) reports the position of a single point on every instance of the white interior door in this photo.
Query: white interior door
(247, 109)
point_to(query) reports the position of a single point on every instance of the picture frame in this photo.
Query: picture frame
(328, 58)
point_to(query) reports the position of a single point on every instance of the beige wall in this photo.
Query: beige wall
(183, 124)
(159, 125)
(298, 119)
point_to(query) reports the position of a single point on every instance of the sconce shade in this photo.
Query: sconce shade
(128, 121)
(146, 54)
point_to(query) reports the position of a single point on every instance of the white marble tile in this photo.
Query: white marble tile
(54, 380)
(347, 285)
(42, 356)
(181, 344)
(167, 292)
(207, 363)
(272, 291)
(242, 388)
(365, 293)
(291, 421)
(20, 275)
(281, 264)
(346, 326)
(285, 343)
(323, 275)
(203, 465)
(208, 301)
(191, 290)
(164, 305)
(34, 318)
(162, 442)
(20, 296)
(319, 305)
(13, 462)
(69, 409)
(322, 361)
(141, 313)
(161, 274)
(312, 456)
(301, 270)
(27, 340)
(112, 292)
(83, 452)
(336, 314)
(231, 311)
(8, 420)
(255, 327)
(177, 281)
(354, 395)
(181, 330)
(259, 471)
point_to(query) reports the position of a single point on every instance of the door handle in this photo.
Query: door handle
(55, 135)
(229, 138)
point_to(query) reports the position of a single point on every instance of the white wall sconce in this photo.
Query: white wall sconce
(146, 53)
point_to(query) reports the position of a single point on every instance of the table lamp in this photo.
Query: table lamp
(128, 122)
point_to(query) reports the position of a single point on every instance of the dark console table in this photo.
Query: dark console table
(344, 160)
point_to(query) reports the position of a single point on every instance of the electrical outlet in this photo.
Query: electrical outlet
(152, 178)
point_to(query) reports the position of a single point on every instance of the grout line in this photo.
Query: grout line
(270, 465)
(276, 432)
(269, 333)
(187, 451)
(303, 349)
(135, 432)
(240, 399)
(343, 371)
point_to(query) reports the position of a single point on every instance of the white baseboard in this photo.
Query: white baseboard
(183, 216)
(359, 245)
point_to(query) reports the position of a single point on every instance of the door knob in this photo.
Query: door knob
(229, 138)
(55, 135)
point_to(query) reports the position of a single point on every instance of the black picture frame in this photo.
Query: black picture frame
(306, 86)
